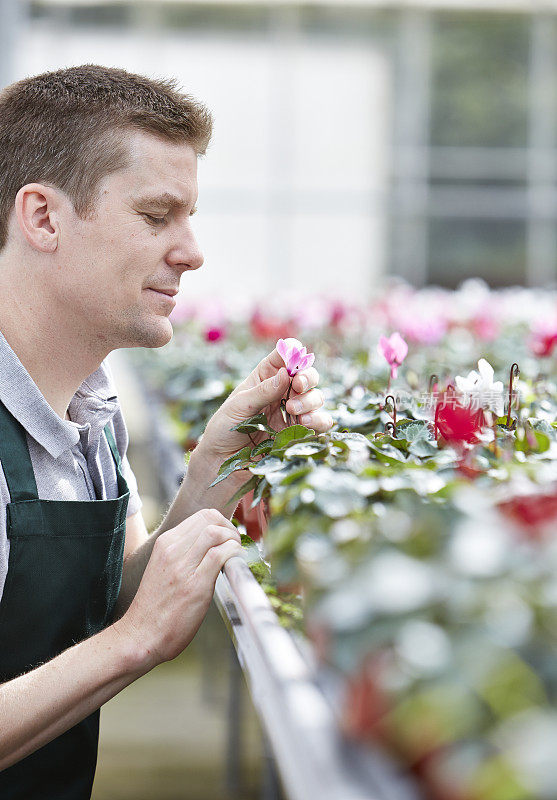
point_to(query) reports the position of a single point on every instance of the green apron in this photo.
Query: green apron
(64, 573)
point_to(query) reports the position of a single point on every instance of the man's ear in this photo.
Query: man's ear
(37, 210)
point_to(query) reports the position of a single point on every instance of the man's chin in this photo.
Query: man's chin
(156, 335)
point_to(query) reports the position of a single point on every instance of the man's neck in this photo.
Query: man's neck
(57, 360)
(53, 347)
(58, 371)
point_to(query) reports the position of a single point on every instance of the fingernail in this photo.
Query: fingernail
(297, 406)
(276, 380)
(305, 419)
(305, 383)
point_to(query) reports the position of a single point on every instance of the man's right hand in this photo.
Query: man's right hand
(178, 584)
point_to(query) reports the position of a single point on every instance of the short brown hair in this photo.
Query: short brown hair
(67, 128)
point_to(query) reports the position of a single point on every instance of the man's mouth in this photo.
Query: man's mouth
(170, 292)
(167, 294)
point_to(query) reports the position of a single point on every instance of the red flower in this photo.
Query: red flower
(265, 327)
(456, 422)
(543, 344)
(531, 511)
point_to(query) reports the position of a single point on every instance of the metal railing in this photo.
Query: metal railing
(294, 704)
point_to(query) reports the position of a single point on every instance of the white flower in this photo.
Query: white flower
(480, 388)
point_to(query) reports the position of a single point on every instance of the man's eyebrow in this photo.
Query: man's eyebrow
(163, 201)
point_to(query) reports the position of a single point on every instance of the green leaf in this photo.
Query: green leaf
(266, 465)
(422, 448)
(258, 493)
(339, 436)
(386, 453)
(416, 432)
(290, 435)
(236, 462)
(241, 455)
(262, 448)
(307, 450)
(532, 442)
(256, 423)
(244, 489)
(294, 472)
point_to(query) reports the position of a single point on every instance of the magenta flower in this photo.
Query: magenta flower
(214, 333)
(294, 355)
(394, 350)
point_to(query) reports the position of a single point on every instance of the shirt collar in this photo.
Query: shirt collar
(91, 407)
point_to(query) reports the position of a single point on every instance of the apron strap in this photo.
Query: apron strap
(122, 485)
(113, 447)
(15, 458)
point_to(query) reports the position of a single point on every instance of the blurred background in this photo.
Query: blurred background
(353, 141)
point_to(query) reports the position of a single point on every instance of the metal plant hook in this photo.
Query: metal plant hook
(393, 423)
(388, 426)
(436, 422)
(514, 373)
(392, 398)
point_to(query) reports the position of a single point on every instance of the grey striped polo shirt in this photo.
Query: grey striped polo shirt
(71, 458)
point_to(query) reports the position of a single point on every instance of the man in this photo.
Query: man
(98, 183)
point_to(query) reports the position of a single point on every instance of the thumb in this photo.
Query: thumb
(252, 401)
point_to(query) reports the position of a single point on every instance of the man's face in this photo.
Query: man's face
(117, 270)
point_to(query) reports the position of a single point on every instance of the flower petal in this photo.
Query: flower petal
(384, 347)
(399, 346)
(486, 371)
(462, 384)
(282, 349)
(292, 343)
(306, 361)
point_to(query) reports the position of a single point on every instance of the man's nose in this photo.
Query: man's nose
(185, 252)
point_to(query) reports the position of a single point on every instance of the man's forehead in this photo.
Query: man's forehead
(162, 169)
(164, 189)
(153, 152)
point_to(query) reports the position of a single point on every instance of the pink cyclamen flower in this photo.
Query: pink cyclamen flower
(394, 350)
(214, 333)
(294, 355)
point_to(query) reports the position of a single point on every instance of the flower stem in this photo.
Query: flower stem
(285, 401)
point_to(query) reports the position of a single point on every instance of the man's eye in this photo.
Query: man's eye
(155, 220)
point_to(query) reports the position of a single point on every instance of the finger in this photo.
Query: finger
(251, 401)
(270, 364)
(319, 421)
(213, 536)
(307, 379)
(212, 516)
(183, 535)
(267, 368)
(304, 403)
(215, 559)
